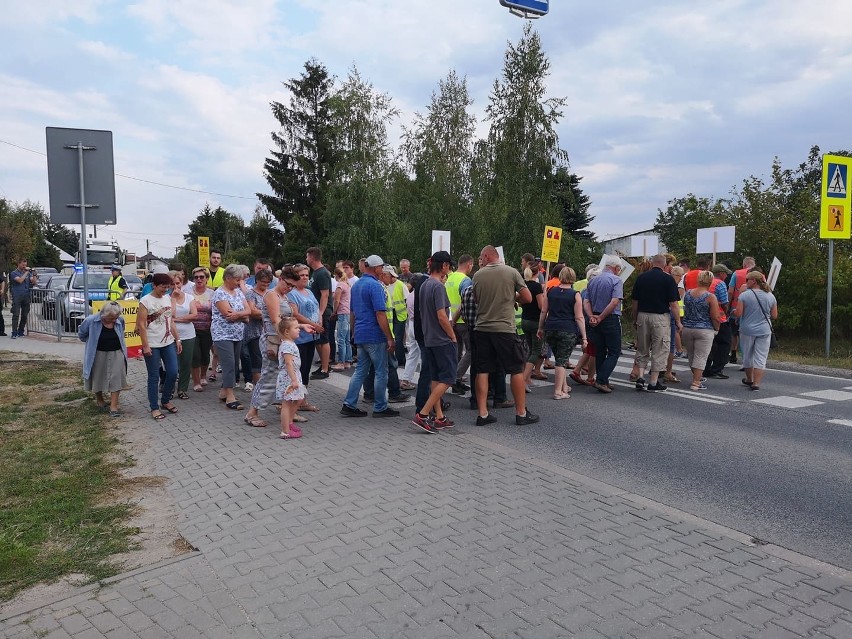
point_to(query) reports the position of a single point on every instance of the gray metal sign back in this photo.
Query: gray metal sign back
(527, 8)
(64, 176)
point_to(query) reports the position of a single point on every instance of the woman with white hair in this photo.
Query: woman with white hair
(105, 355)
(230, 314)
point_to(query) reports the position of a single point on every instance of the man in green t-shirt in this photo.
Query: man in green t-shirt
(496, 345)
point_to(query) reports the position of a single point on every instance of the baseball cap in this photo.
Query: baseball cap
(390, 269)
(374, 261)
(115, 267)
(442, 256)
(720, 268)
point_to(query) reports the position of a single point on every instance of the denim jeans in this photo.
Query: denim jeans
(606, 337)
(377, 354)
(344, 346)
(20, 312)
(168, 355)
(393, 379)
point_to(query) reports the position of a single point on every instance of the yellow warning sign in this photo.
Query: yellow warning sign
(836, 201)
(551, 244)
(204, 251)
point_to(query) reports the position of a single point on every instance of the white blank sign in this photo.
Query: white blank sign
(717, 239)
(440, 241)
(644, 245)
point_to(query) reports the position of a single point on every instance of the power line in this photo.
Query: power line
(130, 177)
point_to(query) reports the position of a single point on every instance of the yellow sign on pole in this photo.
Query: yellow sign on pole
(551, 244)
(204, 252)
(836, 201)
(129, 309)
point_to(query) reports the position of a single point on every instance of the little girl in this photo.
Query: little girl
(289, 390)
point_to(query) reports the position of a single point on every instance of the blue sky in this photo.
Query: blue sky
(663, 97)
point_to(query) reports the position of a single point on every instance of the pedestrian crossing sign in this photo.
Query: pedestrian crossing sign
(836, 202)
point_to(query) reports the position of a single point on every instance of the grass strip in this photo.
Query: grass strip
(57, 473)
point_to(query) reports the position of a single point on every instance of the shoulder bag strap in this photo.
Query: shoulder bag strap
(760, 306)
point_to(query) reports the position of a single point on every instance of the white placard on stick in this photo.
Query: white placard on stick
(626, 267)
(440, 241)
(772, 278)
(644, 245)
(717, 239)
(499, 250)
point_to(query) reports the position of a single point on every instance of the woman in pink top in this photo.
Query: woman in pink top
(342, 295)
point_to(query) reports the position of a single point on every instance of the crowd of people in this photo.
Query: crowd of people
(465, 331)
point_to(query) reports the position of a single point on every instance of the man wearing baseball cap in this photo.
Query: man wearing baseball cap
(373, 338)
(439, 340)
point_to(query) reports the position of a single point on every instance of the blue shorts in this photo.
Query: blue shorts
(443, 362)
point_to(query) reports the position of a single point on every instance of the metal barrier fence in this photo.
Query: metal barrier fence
(60, 312)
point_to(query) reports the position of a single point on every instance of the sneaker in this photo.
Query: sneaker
(657, 388)
(640, 383)
(368, 400)
(399, 399)
(445, 405)
(319, 374)
(423, 422)
(719, 376)
(406, 385)
(388, 412)
(348, 411)
(2, 333)
(484, 421)
(459, 388)
(698, 387)
(733, 358)
(14, 335)
(249, 386)
(523, 420)
(443, 423)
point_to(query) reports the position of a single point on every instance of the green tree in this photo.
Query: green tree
(65, 238)
(438, 151)
(357, 215)
(226, 231)
(22, 227)
(572, 203)
(300, 166)
(677, 226)
(523, 153)
(264, 238)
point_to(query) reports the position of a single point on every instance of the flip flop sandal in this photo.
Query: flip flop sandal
(211, 378)
(255, 422)
(539, 376)
(299, 418)
(309, 407)
(169, 407)
(182, 395)
(114, 413)
(198, 388)
(157, 416)
(234, 405)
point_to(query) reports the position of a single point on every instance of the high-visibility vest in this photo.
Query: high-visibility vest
(397, 295)
(740, 275)
(454, 282)
(518, 319)
(389, 308)
(115, 291)
(217, 278)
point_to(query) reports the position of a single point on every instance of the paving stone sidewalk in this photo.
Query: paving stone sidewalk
(368, 528)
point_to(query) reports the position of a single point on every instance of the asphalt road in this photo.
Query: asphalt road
(778, 469)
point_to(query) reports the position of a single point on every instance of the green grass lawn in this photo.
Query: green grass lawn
(57, 472)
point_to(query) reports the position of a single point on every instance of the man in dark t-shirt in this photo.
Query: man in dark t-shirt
(321, 288)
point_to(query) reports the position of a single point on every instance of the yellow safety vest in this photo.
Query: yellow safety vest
(398, 301)
(389, 309)
(115, 291)
(454, 281)
(217, 278)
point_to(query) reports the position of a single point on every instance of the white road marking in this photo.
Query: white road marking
(842, 422)
(833, 395)
(785, 401)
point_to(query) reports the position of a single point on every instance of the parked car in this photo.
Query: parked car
(44, 273)
(134, 283)
(57, 282)
(72, 306)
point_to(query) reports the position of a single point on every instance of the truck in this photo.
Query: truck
(102, 254)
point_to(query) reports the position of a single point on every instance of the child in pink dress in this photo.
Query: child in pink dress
(289, 389)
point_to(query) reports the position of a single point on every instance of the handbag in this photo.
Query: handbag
(773, 341)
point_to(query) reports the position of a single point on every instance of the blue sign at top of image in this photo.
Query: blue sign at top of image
(539, 7)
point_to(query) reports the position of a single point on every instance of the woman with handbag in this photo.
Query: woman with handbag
(756, 308)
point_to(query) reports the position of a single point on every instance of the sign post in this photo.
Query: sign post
(835, 212)
(716, 239)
